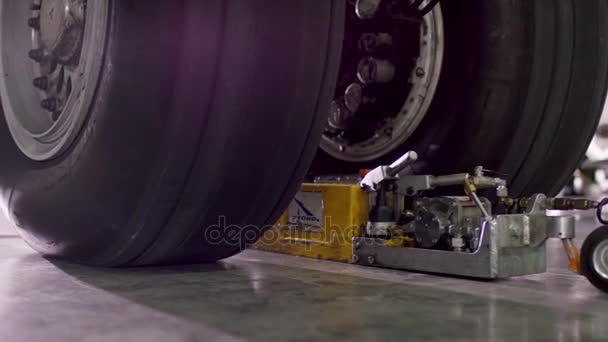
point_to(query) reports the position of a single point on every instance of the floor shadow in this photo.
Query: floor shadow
(258, 301)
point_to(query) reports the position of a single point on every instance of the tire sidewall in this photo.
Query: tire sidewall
(90, 201)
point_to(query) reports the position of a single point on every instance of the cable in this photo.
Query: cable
(598, 213)
(413, 8)
(428, 8)
(415, 5)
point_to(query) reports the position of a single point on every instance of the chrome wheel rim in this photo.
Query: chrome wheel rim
(600, 259)
(397, 129)
(51, 54)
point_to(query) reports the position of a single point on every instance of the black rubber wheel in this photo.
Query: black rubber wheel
(521, 92)
(206, 117)
(595, 248)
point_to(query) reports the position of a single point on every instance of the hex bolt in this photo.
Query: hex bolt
(49, 104)
(41, 82)
(355, 258)
(37, 55)
(371, 260)
(340, 117)
(353, 97)
(367, 9)
(369, 42)
(34, 23)
(373, 70)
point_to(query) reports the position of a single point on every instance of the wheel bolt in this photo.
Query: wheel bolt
(369, 42)
(49, 104)
(34, 23)
(339, 116)
(367, 9)
(353, 97)
(41, 83)
(373, 70)
(36, 55)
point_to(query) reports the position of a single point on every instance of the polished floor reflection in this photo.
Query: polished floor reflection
(263, 297)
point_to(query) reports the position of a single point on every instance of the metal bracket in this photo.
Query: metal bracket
(510, 245)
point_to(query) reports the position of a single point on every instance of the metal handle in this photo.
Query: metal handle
(402, 163)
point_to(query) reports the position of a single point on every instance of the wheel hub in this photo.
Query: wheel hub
(51, 56)
(388, 77)
(61, 27)
(58, 28)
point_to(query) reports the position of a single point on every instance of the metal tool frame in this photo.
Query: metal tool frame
(509, 245)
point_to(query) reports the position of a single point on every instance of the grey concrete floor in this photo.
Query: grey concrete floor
(258, 296)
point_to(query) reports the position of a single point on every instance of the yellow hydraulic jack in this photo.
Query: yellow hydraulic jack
(388, 219)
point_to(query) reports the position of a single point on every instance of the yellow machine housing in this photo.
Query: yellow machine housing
(320, 223)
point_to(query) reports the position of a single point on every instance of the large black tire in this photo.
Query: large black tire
(521, 92)
(207, 113)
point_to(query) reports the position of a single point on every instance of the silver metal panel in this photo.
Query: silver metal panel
(510, 246)
(424, 260)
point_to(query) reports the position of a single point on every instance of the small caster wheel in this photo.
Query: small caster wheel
(594, 258)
